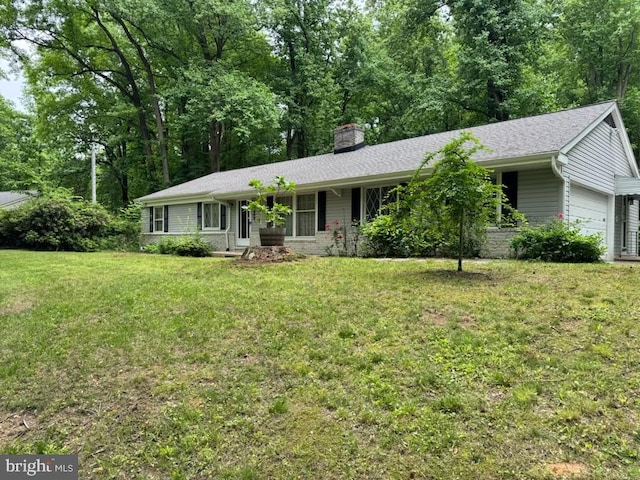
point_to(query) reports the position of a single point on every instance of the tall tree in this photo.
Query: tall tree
(496, 40)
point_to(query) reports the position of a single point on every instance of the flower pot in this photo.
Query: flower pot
(272, 236)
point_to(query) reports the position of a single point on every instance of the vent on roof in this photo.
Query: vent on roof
(348, 138)
(609, 121)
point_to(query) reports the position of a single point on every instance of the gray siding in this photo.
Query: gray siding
(144, 213)
(597, 158)
(538, 194)
(183, 219)
(339, 207)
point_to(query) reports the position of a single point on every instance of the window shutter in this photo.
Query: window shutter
(510, 187)
(166, 218)
(269, 205)
(199, 225)
(150, 219)
(355, 205)
(223, 217)
(322, 211)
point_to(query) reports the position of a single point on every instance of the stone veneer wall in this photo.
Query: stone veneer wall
(497, 243)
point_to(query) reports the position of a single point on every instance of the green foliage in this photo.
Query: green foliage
(391, 235)
(164, 247)
(172, 90)
(497, 39)
(446, 213)
(276, 213)
(193, 247)
(56, 222)
(123, 232)
(458, 199)
(345, 239)
(558, 241)
(184, 247)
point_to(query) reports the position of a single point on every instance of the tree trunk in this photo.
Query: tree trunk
(134, 96)
(216, 132)
(460, 242)
(151, 82)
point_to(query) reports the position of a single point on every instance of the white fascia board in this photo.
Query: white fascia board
(176, 199)
(565, 150)
(626, 143)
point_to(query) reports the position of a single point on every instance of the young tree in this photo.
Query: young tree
(460, 198)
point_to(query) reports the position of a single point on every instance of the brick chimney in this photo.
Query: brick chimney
(348, 138)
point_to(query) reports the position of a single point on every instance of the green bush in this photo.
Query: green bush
(62, 222)
(193, 247)
(388, 236)
(185, 247)
(54, 223)
(557, 241)
(123, 232)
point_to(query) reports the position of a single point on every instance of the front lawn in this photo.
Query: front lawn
(158, 367)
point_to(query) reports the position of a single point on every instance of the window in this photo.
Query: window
(303, 219)
(158, 219)
(210, 216)
(376, 198)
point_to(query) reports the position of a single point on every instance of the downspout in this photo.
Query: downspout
(556, 166)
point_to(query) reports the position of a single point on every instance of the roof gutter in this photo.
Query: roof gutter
(557, 162)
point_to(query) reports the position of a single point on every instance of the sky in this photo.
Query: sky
(11, 87)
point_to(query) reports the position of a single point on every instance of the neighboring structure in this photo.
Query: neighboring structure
(10, 200)
(575, 162)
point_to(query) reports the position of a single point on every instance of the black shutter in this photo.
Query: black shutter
(150, 219)
(269, 205)
(510, 187)
(199, 226)
(223, 217)
(355, 205)
(322, 211)
(166, 218)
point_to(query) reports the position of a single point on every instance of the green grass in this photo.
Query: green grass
(157, 367)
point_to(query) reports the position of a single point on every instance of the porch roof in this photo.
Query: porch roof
(627, 186)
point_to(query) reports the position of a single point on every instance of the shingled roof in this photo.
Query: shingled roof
(11, 199)
(522, 138)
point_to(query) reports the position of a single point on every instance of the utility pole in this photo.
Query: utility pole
(93, 173)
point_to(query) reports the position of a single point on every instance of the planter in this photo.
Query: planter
(272, 237)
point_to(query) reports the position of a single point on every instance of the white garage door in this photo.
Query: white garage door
(590, 208)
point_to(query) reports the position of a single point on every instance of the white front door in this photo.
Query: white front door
(244, 225)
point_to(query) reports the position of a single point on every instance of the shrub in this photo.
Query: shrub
(62, 222)
(54, 223)
(123, 232)
(557, 241)
(185, 247)
(389, 236)
(193, 247)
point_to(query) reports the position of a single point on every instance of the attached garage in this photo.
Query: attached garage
(595, 211)
(590, 208)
